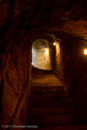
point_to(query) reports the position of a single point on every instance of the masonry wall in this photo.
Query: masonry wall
(73, 72)
(56, 59)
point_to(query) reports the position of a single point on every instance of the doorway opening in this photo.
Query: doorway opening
(41, 54)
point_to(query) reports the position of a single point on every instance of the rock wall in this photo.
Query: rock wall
(20, 22)
(73, 72)
(56, 60)
(76, 73)
(15, 61)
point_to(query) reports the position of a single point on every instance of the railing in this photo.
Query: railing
(20, 103)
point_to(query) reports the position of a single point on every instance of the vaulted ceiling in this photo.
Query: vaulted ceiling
(66, 18)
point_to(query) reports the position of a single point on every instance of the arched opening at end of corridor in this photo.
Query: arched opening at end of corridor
(41, 54)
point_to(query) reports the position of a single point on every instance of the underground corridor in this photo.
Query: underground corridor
(43, 64)
(40, 54)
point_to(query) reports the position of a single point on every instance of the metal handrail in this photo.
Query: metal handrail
(20, 103)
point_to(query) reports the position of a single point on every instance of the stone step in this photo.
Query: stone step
(50, 103)
(43, 76)
(46, 79)
(69, 127)
(52, 110)
(46, 83)
(48, 92)
(36, 88)
(55, 120)
(48, 97)
(53, 84)
(36, 84)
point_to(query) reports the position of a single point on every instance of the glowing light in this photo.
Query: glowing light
(47, 50)
(85, 51)
(54, 43)
(57, 46)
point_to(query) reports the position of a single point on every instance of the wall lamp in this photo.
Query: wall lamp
(54, 43)
(85, 51)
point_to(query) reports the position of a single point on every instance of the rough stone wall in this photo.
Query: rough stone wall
(20, 20)
(56, 59)
(15, 61)
(13, 74)
(73, 72)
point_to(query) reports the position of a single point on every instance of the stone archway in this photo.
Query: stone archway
(40, 54)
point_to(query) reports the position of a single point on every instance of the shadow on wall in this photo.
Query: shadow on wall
(41, 54)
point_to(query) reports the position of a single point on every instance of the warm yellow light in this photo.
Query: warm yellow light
(85, 51)
(47, 50)
(54, 43)
(57, 46)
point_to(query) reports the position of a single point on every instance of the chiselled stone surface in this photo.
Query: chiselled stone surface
(50, 111)
(13, 76)
(20, 22)
(66, 15)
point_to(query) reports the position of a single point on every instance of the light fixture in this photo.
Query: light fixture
(85, 51)
(47, 50)
(54, 43)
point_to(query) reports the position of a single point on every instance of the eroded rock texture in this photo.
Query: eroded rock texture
(20, 22)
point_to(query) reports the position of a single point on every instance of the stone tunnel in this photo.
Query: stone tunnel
(27, 27)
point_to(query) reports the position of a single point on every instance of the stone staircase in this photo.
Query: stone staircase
(50, 107)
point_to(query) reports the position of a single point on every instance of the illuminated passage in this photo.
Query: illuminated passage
(40, 54)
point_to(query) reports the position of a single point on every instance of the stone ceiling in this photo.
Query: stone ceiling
(62, 16)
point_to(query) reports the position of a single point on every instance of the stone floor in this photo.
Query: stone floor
(50, 107)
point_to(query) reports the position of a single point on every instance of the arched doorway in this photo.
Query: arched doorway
(41, 54)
